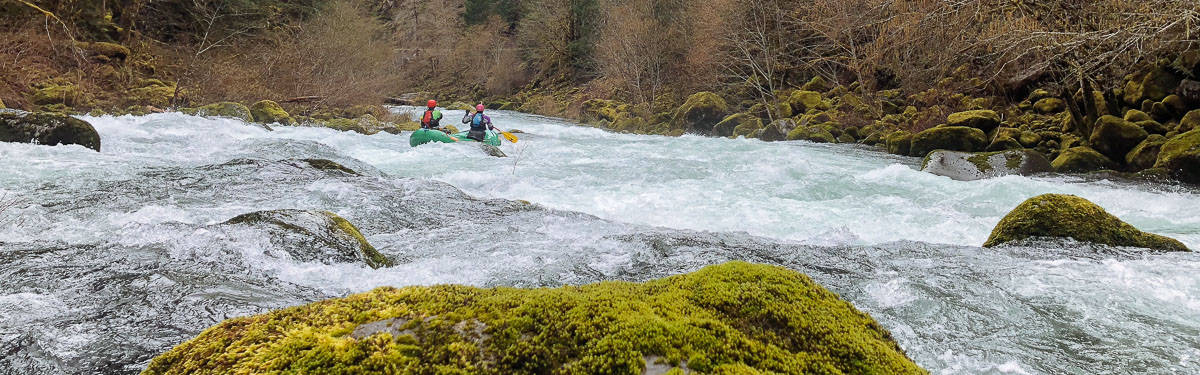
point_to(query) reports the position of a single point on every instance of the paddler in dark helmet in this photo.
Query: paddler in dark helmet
(432, 119)
(480, 123)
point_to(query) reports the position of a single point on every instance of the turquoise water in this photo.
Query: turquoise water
(113, 257)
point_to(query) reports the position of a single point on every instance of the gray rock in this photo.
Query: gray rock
(314, 236)
(967, 166)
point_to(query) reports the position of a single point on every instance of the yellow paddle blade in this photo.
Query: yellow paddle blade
(509, 136)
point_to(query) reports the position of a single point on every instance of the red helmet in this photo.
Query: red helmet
(432, 103)
(479, 108)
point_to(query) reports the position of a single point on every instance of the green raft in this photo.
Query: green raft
(423, 136)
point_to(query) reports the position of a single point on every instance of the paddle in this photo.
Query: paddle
(509, 136)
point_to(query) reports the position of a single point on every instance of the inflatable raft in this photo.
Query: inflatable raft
(423, 136)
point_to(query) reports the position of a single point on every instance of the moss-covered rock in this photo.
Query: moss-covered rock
(1146, 153)
(1152, 127)
(1181, 157)
(899, 142)
(1190, 121)
(731, 318)
(1069, 216)
(802, 101)
(315, 236)
(699, 113)
(1050, 105)
(777, 130)
(1153, 85)
(1114, 137)
(983, 119)
(50, 93)
(269, 112)
(595, 110)
(1029, 138)
(726, 127)
(953, 138)
(967, 166)
(154, 93)
(1081, 159)
(812, 133)
(817, 83)
(224, 109)
(47, 129)
(1134, 115)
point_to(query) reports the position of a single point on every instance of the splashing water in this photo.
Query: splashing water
(111, 258)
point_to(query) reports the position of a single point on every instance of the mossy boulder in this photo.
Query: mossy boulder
(1049, 105)
(315, 236)
(1081, 159)
(899, 142)
(51, 93)
(983, 119)
(967, 166)
(1146, 153)
(2, 105)
(1152, 127)
(1114, 137)
(225, 109)
(953, 138)
(1029, 138)
(269, 112)
(745, 121)
(1181, 157)
(47, 129)
(730, 318)
(813, 133)
(817, 83)
(1190, 121)
(699, 113)
(802, 101)
(155, 93)
(777, 130)
(1153, 85)
(1069, 216)
(595, 110)
(1134, 115)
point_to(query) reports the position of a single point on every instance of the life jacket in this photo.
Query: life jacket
(427, 118)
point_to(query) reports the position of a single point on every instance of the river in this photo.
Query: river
(107, 259)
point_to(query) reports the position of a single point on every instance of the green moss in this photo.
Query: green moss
(269, 112)
(1050, 105)
(595, 110)
(954, 138)
(699, 113)
(1145, 154)
(158, 95)
(980, 160)
(107, 50)
(1114, 137)
(899, 142)
(803, 101)
(736, 317)
(1081, 159)
(817, 84)
(748, 123)
(1058, 215)
(1181, 156)
(374, 258)
(54, 93)
(226, 109)
(814, 133)
(1134, 115)
(1190, 121)
(985, 120)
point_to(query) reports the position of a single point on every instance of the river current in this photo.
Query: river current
(108, 259)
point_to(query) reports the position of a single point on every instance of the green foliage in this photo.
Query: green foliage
(731, 318)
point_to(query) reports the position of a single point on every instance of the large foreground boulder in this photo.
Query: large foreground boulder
(47, 129)
(1180, 156)
(731, 318)
(1069, 216)
(315, 236)
(700, 113)
(953, 138)
(967, 166)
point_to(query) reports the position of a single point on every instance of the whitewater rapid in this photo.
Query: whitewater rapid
(110, 258)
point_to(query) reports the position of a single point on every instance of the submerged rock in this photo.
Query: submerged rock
(319, 236)
(737, 317)
(492, 150)
(966, 166)
(1059, 215)
(47, 129)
